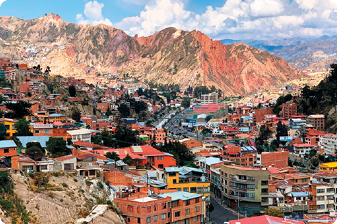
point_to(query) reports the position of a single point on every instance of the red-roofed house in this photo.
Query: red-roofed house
(265, 219)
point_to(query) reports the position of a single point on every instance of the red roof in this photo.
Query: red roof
(265, 219)
(63, 158)
(303, 145)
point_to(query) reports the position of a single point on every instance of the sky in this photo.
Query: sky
(219, 19)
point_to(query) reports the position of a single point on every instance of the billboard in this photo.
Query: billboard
(286, 138)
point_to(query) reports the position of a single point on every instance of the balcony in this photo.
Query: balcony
(242, 180)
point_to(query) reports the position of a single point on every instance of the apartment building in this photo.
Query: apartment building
(209, 98)
(187, 179)
(245, 189)
(273, 159)
(303, 149)
(328, 167)
(245, 156)
(322, 198)
(163, 208)
(83, 135)
(328, 143)
(289, 109)
(317, 121)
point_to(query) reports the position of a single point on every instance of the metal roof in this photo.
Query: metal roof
(180, 195)
(41, 139)
(7, 144)
(172, 169)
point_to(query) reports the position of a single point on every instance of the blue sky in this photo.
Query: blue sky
(220, 19)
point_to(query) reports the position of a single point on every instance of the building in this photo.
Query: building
(8, 151)
(173, 207)
(10, 126)
(209, 98)
(328, 142)
(303, 149)
(297, 124)
(322, 198)
(265, 219)
(83, 135)
(187, 179)
(245, 189)
(245, 156)
(317, 121)
(328, 167)
(289, 109)
(274, 159)
(301, 179)
(42, 129)
(67, 163)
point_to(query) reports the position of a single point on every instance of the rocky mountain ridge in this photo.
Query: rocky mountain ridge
(170, 56)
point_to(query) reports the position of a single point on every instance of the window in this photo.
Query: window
(264, 199)
(264, 190)
(187, 202)
(320, 190)
(160, 166)
(148, 219)
(68, 166)
(200, 189)
(6, 150)
(195, 218)
(174, 181)
(251, 186)
(157, 158)
(37, 131)
(177, 214)
(178, 189)
(193, 189)
(330, 190)
(162, 158)
(155, 218)
(187, 211)
(44, 167)
(128, 219)
(138, 220)
(197, 200)
(172, 174)
(304, 180)
(163, 216)
(197, 209)
(321, 206)
(186, 221)
(264, 182)
(320, 198)
(46, 131)
(331, 197)
(185, 189)
(251, 178)
(251, 195)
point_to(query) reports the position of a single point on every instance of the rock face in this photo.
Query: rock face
(170, 56)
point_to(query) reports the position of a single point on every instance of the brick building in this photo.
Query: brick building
(274, 159)
(289, 109)
(317, 121)
(174, 207)
(259, 114)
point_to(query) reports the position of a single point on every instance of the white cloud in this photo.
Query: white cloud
(2, 1)
(136, 2)
(243, 19)
(93, 14)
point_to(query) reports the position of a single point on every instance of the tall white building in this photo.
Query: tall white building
(328, 142)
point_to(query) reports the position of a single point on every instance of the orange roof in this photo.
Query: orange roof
(63, 158)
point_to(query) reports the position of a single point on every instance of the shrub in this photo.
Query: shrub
(64, 185)
(6, 205)
(88, 183)
(101, 201)
(56, 174)
(100, 185)
(75, 180)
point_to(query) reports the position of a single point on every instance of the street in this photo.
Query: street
(219, 214)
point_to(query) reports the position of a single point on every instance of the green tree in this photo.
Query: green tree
(108, 113)
(313, 153)
(76, 115)
(179, 151)
(34, 153)
(19, 109)
(114, 156)
(22, 128)
(314, 162)
(124, 110)
(57, 147)
(208, 118)
(186, 102)
(281, 130)
(128, 160)
(2, 131)
(140, 106)
(72, 91)
(125, 136)
(273, 212)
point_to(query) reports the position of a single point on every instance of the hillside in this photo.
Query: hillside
(169, 56)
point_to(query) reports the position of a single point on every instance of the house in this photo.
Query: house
(303, 149)
(66, 163)
(40, 129)
(83, 135)
(26, 163)
(45, 166)
(187, 179)
(10, 126)
(9, 153)
(162, 208)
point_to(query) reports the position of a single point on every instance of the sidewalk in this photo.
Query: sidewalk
(225, 206)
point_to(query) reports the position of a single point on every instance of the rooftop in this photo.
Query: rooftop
(180, 195)
(7, 144)
(145, 199)
(331, 164)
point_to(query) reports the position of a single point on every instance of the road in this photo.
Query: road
(219, 214)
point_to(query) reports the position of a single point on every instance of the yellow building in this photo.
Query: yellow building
(188, 179)
(9, 124)
(328, 167)
(56, 117)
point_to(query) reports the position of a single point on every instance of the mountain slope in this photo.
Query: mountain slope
(169, 56)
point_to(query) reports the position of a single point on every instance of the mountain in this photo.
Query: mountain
(302, 53)
(170, 56)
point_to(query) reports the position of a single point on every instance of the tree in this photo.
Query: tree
(281, 130)
(273, 212)
(19, 109)
(2, 131)
(124, 110)
(140, 106)
(76, 115)
(125, 136)
(179, 151)
(314, 162)
(57, 147)
(108, 113)
(72, 91)
(34, 144)
(208, 118)
(313, 153)
(114, 156)
(22, 128)
(35, 153)
(186, 102)
(128, 160)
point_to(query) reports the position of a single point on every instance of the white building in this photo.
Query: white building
(303, 149)
(328, 143)
(209, 98)
(82, 134)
